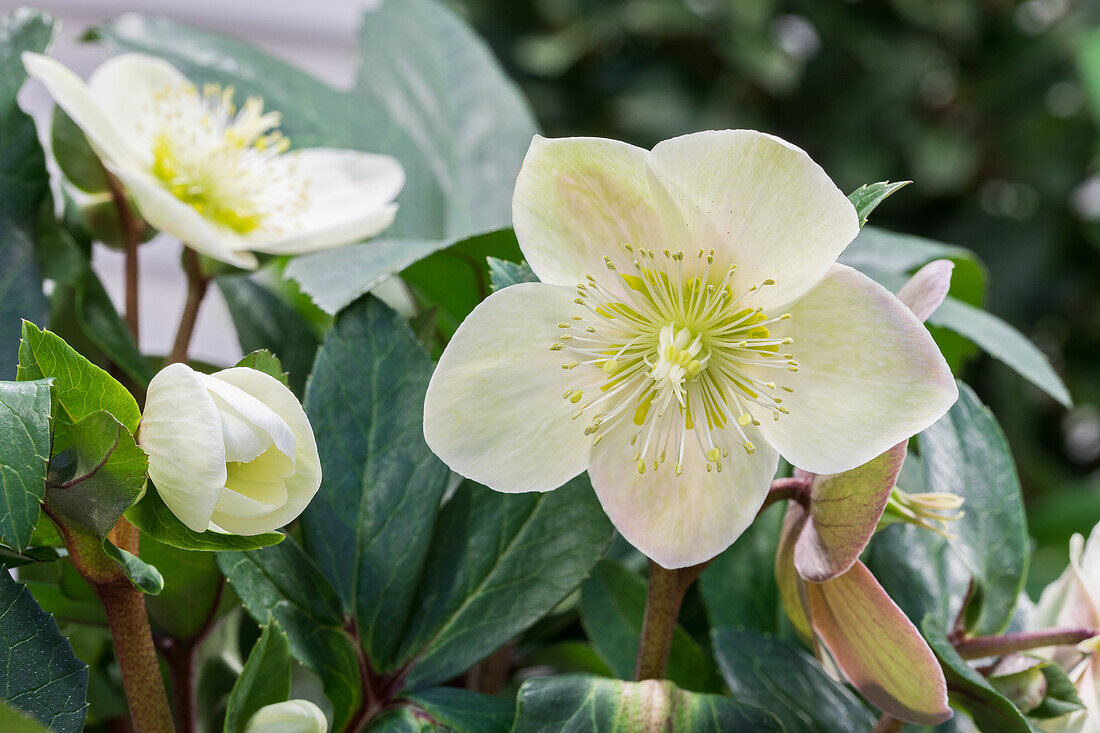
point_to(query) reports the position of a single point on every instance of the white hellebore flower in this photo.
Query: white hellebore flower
(690, 323)
(292, 716)
(231, 451)
(1073, 601)
(221, 180)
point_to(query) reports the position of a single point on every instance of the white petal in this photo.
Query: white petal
(181, 431)
(125, 85)
(241, 407)
(168, 214)
(95, 120)
(302, 486)
(494, 411)
(292, 716)
(869, 376)
(578, 200)
(351, 198)
(924, 292)
(760, 202)
(684, 520)
(1070, 600)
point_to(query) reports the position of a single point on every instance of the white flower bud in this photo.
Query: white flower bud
(292, 716)
(232, 451)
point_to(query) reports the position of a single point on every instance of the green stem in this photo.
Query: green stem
(662, 607)
(131, 230)
(197, 284)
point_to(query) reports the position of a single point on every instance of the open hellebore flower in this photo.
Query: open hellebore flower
(231, 451)
(832, 598)
(1074, 601)
(292, 716)
(691, 324)
(222, 180)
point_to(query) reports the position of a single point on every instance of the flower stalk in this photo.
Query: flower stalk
(197, 284)
(662, 607)
(131, 230)
(979, 647)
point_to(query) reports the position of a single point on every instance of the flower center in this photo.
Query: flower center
(227, 164)
(682, 355)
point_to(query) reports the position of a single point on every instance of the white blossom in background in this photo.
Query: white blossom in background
(690, 325)
(231, 451)
(222, 180)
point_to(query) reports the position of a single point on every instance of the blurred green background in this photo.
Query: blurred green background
(991, 108)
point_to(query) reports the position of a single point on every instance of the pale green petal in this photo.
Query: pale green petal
(96, 121)
(300, 487)
(761, 203)
(350, 198)
(292, 716)
(578, 200)
(684, 520)
(924, 292)
(239, 409)
(181, 431)
(869, 376)
(125, 85)
(494, 410)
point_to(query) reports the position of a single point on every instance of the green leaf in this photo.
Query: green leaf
(14, 721)
(738, 587)
(75, 157)
(464, 711)
(965, 453)
(781, 678)
(283, 582)
(498, 563)
(39, 674)
(583, 704)
(265, 679)
(369, 527)
(969, 690)
(1061, 694)
(144, 576)
(612, 608)
(102, 479)
(265, 321)
(24, 456)
(80, 387)
(191, 589)
(867, 197)
(264, 361)
(505, 273)
(153, 517)
(23, 183)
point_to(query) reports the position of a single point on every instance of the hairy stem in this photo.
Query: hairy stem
(197, 284)
(978, 647)
(662, 607)
(131, 230)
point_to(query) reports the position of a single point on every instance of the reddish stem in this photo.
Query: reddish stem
(978, 647)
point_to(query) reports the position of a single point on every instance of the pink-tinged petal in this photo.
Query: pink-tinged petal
(924, 292)
(495, 411)
(869, 376)
(844, 512)
(684, 520)
(578, 200)
(877, 648)
(763, 204)
(792, 589)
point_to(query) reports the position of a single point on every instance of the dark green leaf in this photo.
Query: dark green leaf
(191, 588)
(265, 679)
(282, 581)
(14, 721)
(369, 526)
(582, 704)
(498, 563)
(80, 387)
(104, 477)
(788, 682)
(24, 455)
(39, 674)
(505, 273)
(23, 183)
(867, 197)
(144, 576)
(738, 587)
(265, 321)
(612, 607)
(969, 690)
(264, 361)
(965, 453)
(464, 711)
(75, 157)
(153, 517)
